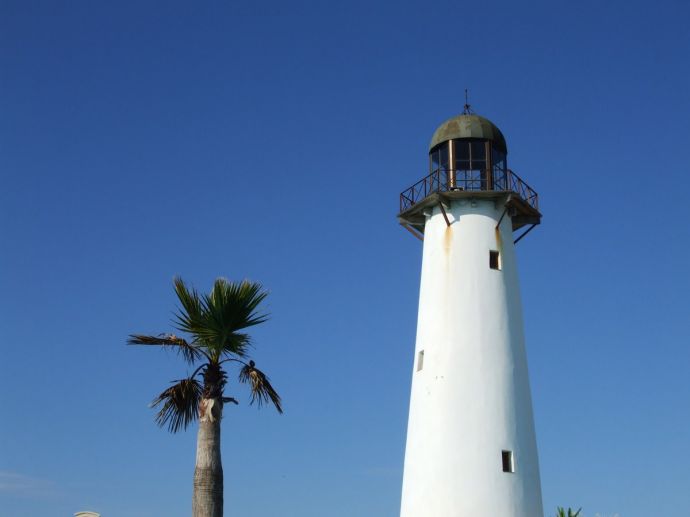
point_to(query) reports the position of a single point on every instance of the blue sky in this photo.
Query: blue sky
(143, 140)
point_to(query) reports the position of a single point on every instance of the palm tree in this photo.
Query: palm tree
(214, 324)
(560, 512)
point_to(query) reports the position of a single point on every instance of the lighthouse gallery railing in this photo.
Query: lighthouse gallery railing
(468, 180)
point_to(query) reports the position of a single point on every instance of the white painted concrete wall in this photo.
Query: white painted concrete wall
(472, 398)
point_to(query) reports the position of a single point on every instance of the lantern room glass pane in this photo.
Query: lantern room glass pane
(444, 156)
(470, 154)
(435, 157)
(438, 163)
(478, 165)
(498, 159)
(470, 164)
(478, 151)
(462, 152)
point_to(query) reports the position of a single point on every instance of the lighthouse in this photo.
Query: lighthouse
(471, 448)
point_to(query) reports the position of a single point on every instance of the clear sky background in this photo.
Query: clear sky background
(143, 140)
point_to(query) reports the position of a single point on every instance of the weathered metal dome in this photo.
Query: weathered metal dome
(469, 126)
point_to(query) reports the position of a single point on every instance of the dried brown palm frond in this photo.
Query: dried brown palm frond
(262, 391)
(180, 404)
(188, 351)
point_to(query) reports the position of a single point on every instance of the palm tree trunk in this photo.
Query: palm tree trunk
(207, 500)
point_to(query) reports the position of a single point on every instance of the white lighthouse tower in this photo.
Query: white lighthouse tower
(471, 448)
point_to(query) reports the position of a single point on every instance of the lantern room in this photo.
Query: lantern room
(471, 151)
(468, 159)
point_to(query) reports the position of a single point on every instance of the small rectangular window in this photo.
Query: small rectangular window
(420, 360)
(494, 259)
(508, 463)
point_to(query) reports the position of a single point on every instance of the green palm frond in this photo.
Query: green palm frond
(215, 319)
(189, 352)
(236, 302)
(190, 316)
(262, 391)
(180, 404)
(560, 512)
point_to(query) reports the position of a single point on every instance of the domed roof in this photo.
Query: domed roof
(468, 126)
